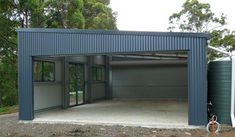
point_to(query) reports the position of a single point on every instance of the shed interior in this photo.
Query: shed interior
(132, 89)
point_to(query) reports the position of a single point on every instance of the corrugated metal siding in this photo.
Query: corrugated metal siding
(25, 84)
(57, 44)
(37, 42)
(150, 82)
(197, 92)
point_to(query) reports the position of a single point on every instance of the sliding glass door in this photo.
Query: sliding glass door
(76, 84)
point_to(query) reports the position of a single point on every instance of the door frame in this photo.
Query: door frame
(84, 91)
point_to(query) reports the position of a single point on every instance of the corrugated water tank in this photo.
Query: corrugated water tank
(219, 89)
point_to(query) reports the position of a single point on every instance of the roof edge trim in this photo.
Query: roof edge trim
(114, 32)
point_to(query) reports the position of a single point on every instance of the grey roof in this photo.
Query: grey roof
(115, 32)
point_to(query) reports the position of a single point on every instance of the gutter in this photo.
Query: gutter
(219, 50)
(232, 57)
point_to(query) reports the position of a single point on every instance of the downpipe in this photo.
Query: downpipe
(232, 89)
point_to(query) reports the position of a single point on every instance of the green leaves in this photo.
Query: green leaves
(77, 19)
(195, 17)
(224, 38)
(82, 14)
(98, 15)
(7, 43)
(8, 88)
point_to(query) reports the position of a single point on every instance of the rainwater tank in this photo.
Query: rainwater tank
(219, 89)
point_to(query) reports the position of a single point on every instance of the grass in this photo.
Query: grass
(8, 109)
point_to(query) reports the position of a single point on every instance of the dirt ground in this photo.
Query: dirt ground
(10, 127)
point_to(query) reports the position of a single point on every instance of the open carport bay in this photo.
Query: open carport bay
(149, 113)
(141, 90)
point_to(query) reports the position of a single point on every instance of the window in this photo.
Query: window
(97, 73)
(44, 71)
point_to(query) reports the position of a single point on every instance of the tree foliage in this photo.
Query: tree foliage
(198, 17)
(64, 14)
(99, 16)
(89, 14)
(8, 92)
(80, 14)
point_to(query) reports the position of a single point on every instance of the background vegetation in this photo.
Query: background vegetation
(14, 14)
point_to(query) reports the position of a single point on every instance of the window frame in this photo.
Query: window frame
(96, 76)
(42, 75)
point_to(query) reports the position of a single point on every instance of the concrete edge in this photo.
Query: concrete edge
(100, 123)
(9, 115)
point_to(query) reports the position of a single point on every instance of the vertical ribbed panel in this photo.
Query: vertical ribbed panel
(72, 43)
(197, 82)
(52, 42)
(25, 78)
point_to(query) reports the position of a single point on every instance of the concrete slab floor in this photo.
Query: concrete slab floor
(145, 113)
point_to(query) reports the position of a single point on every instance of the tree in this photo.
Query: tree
(198, 17)
(98, 15)
(64, 14)
(82, 14)
(8, 82)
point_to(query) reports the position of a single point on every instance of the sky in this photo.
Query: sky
(153, 15)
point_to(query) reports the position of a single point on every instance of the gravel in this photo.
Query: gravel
(10, 127)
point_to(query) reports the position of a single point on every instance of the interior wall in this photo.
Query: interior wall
(99, 60)
(150, 82)
(98, 88)
(49, 94)
(77, 59)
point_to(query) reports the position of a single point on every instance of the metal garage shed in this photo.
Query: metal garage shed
(68, 42)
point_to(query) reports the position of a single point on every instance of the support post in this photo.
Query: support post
(65, 83)
(89, 79)
(107, 84)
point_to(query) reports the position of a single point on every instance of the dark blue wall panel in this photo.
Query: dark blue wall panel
(25, 84)
(43, 42)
